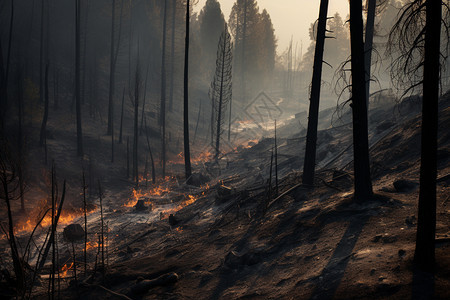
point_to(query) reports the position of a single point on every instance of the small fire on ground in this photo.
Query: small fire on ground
(164, 191)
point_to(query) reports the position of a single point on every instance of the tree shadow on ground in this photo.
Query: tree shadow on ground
(332, 274)
(422, 285)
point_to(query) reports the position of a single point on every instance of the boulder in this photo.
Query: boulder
(73, 232)
(403, 185)
(140, 205)
(197, 179)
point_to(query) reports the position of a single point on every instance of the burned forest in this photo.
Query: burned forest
(224, 149)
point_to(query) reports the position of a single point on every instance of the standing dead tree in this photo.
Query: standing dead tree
(313, 117)
(43, 137)
(10, 185)
(162, 114)
(221, 86)
(136, 117)
(417, 36)
(363, 183)
(78, 77)
(187, 152)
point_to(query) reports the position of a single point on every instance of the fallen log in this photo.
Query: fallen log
(143, 286)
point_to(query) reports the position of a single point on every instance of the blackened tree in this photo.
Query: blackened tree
(311, 136)
(363, 183)
(221, 86)
(187, 153)
(417, 36)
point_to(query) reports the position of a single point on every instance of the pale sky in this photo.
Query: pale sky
(290, 18)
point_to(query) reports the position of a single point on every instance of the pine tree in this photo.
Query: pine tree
(221, 86)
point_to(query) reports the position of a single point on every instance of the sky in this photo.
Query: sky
(290, 18)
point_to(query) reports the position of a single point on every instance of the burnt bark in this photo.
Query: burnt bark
(162, 114)
(111, 71)
(42, 136)
(313, 116)
(187, 152)
(424, 255)
(77, 79)
(363, 183)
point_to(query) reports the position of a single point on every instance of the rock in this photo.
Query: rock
(376, 238)
(143, 286)
(173, 220)
(389, 239)
(403, 185)
(197, 179)
(401, 253)
(372, 272)
(140, 205)
(234, 260)
(223, 194)
(410, 221)
(73, 232)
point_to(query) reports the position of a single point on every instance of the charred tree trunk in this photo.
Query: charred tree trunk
(424, 255)
(83, 93)
(363, 183)
(311, 136)
(41, 56)
(368, 44)
(136, 133)
(20, 147)
(2, 90)
(111, 72)
(172, 54)
(8, 57)
(151, 155)
(143, 100)
(244, 42)
(77, 79)
(187, 152)
(44, 119)
(162, 114)
(221, 86)
(121, 117)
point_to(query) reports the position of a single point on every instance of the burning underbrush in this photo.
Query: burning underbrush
(167, 197)
(43, 219)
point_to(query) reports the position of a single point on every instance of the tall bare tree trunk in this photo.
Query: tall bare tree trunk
(121, 117)
(172, 54)
(424, 255)
(20, 139)
(187, 153)
(162, 114)
(77, 79)
(83, 93)
(44, 119)
(8, 57)
(143, 100)
(311, 136)
(368, 43)
(136, 133)
(363, 183)
(111, 72)
(41, 56)
(244, 42)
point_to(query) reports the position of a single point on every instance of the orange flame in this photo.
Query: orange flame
(65, 269)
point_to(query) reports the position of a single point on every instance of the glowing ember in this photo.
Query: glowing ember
(202, 157)
(190, 199)
(137, 194)
(65, 269)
